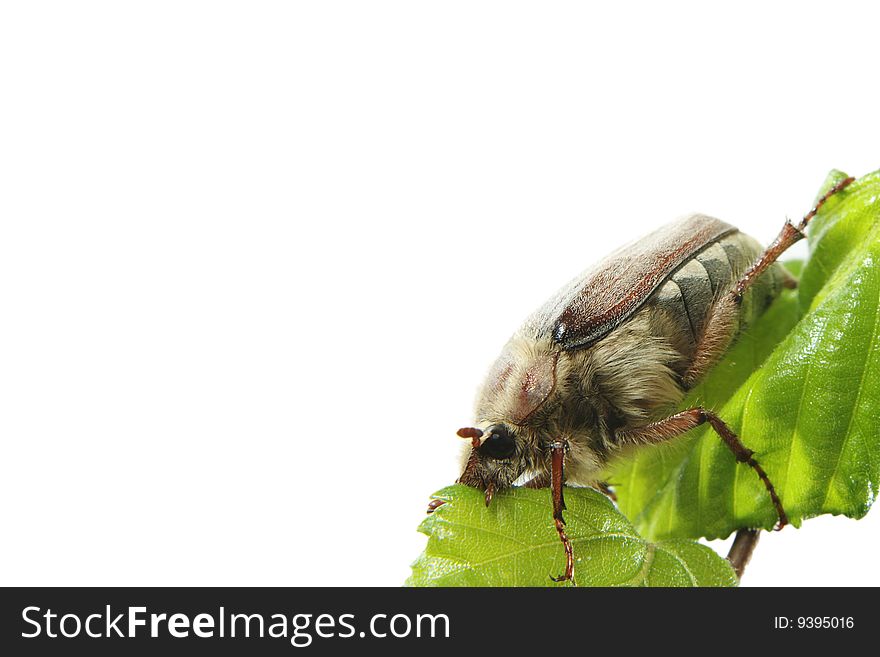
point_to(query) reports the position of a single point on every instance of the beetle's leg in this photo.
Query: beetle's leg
(788, 236)
(555, 481)
(543, 481)
(604, 488)
(490, 493)
(675, 425)
(557, 458)
(433, 505)
(721, 324)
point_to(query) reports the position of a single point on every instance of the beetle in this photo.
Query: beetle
(596, 369)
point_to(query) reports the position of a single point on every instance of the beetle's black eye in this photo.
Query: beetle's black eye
(500, 444)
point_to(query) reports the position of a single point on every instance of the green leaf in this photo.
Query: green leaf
(801, 388)
(514, 542)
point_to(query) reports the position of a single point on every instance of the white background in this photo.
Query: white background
(256, 257)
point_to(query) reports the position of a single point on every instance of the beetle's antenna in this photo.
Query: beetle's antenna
(470, 432)
(468, 476)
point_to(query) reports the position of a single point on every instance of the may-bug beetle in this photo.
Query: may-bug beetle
(598, 367)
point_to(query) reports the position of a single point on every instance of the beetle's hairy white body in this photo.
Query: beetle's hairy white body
(627, 378)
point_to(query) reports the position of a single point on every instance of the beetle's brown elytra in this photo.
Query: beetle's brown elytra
(597, 368)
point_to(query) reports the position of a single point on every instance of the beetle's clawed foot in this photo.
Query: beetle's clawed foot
(433, 505)
(490, 493)
(569, 552)
(605, 488)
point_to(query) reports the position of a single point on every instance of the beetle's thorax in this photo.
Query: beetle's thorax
(525, 378)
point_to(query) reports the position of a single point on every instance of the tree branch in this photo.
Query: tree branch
(741, 550)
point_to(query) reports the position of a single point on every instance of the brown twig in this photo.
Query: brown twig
(741, 550)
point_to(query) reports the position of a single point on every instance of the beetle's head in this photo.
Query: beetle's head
(494, 460)
(512, 411)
